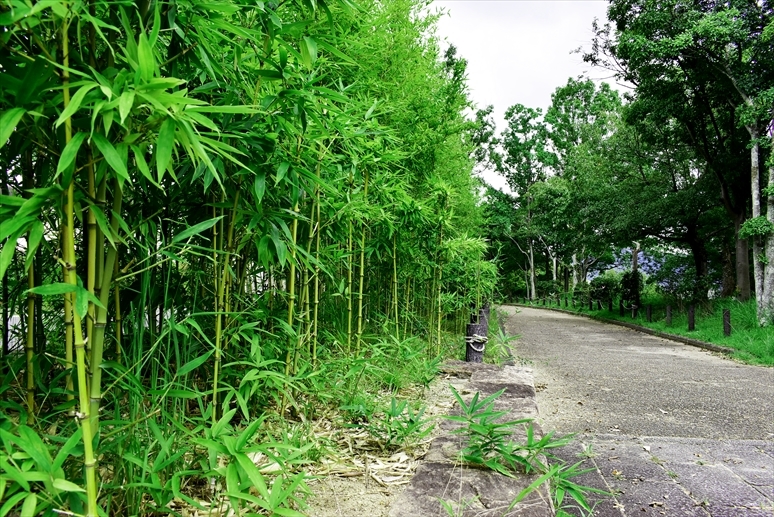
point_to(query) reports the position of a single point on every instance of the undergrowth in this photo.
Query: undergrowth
(163, 453)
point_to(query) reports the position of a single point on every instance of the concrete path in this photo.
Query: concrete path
(671, 429)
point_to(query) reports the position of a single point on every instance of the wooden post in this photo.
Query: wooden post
(669, 315)
(483, 318)
(620, 307)
(649, 313)
(634, 311)
(599, 305)
(475, 343)
(544, 302)
(691, 318)
(610, 304)
(726, 322)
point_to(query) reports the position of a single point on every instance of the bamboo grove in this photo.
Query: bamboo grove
(206, 207)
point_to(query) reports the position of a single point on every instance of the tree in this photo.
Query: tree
(709, 66)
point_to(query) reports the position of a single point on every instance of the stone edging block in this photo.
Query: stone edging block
(474, 491)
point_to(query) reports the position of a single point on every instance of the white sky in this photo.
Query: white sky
(518, 51)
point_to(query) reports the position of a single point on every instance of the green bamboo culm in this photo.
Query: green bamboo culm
(362, 273)
(79, 345)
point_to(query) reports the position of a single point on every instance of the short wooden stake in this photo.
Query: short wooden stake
(691, 318)
(475, 343)
(669, 315)
(726, 322)
(649, 313)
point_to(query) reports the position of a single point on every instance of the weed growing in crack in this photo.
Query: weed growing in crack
(488, 444)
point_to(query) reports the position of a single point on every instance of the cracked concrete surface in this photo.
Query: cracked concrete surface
(668, 428)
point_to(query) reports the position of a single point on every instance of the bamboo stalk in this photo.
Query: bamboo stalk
(220, 281)
(118, 318)
(407, 308)
(395, 283)
(316, 277)
(100, 323)
(89, 459)
(350, 266)
(439, 286)
(362, 275)
(29, 347)
(91, 243)
(306, 295)
(227, 260)
(289, 356)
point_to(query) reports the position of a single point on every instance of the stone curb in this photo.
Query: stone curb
(638, 328)
(470, 491)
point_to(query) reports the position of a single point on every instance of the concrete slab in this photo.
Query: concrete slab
(471, 491)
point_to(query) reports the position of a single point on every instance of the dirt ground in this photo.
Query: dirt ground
(366, 482)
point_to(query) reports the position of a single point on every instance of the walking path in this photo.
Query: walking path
(672, 430)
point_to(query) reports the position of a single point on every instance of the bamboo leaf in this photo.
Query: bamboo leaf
(259, 186)
(282, 170)
(15, 475)
(8, 122)
(30, 503)
(6, 256)
(254, 473)
(103, 224)
(125, 104)
(75, 103)
(194, 364)
(34, 446)
(67, 486)
(139, 160)
(222, 423)
(164, 146)
(70, 152)
(68, 446)
(196, 229)
(309, 51)
(33, 242)
(156, 25)
(111, 156)
(246, 110)
(147, 63)
(53, 289)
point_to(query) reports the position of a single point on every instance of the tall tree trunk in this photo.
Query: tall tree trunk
(758, 266)
(729, 278)
(531, 270)
(575, 271)
(767, 303)
(742, 259)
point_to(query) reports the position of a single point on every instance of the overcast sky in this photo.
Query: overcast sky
(519, 51)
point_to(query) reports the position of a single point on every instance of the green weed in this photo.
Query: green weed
(488, 443)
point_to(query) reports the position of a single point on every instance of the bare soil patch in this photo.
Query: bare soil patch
(360, 479)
